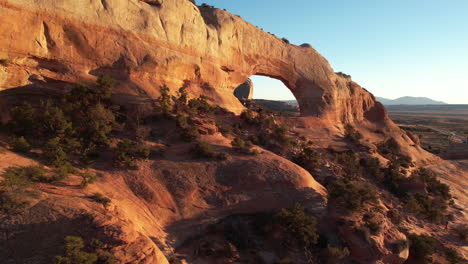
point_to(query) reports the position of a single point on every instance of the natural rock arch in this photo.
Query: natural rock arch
(175, 43)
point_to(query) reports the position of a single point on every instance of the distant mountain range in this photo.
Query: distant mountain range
(409, 100)
(405, 100)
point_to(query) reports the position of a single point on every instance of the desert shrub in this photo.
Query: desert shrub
(371, 167)
(61, 172)
(89, 110)
(53, 121)
(281, 141)
(23, 119)
(349, 162)
(241, 146)
(421, 246)
(334, 254)
(399, 246)
(202, 150)
(350, 196)
(434, 186)
(54, 153)
(14, 193)
(20, 144)
(74, 253)
(83, 96)
(164, 102)
(142, 132)
(388, 147)
(285, 40)
(344, 74)
(423, 205)
(181, 104)
(97, 129)
(299, 226)
(452, 256)
(12, 202)
(393, 180)
(86, 179)
(404, 161)
(308, 158)
(200, 105)
(461, 231)
(15, 179)
(188, 131)
(99, 198)
(128, 152)
(352, 134)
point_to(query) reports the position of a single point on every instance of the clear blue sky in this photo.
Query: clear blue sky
(392, 48)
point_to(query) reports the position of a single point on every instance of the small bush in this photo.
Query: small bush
(128, 152)
(308, 158)
(99, 198)
(74, 253)
(241, 146)
(334, 255)
(352, 134)
(299, 226)
(54, 154)
(200, 105)
(164, 102)
(203, 150)
(423, 205)
(23, 120)
(285, 40)
(21, 145)
(350, 196)
(86, 179)
(421, 246)
(14, 193)
(189, 132)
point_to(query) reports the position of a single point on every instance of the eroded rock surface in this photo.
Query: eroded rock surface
(144, 44)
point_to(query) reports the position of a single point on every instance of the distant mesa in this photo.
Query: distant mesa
(409, 100)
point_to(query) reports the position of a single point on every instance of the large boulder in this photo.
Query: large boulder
(245, 91)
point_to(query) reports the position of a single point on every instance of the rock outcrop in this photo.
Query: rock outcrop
(245, 90)
(144, 44)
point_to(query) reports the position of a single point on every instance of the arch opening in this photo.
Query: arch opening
(270, 93)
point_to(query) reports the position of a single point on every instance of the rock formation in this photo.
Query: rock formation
(144, 44)
(47, 46)
(245, 90)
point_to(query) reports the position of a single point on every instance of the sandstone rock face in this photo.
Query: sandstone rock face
(144, 44)
(245, 90)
